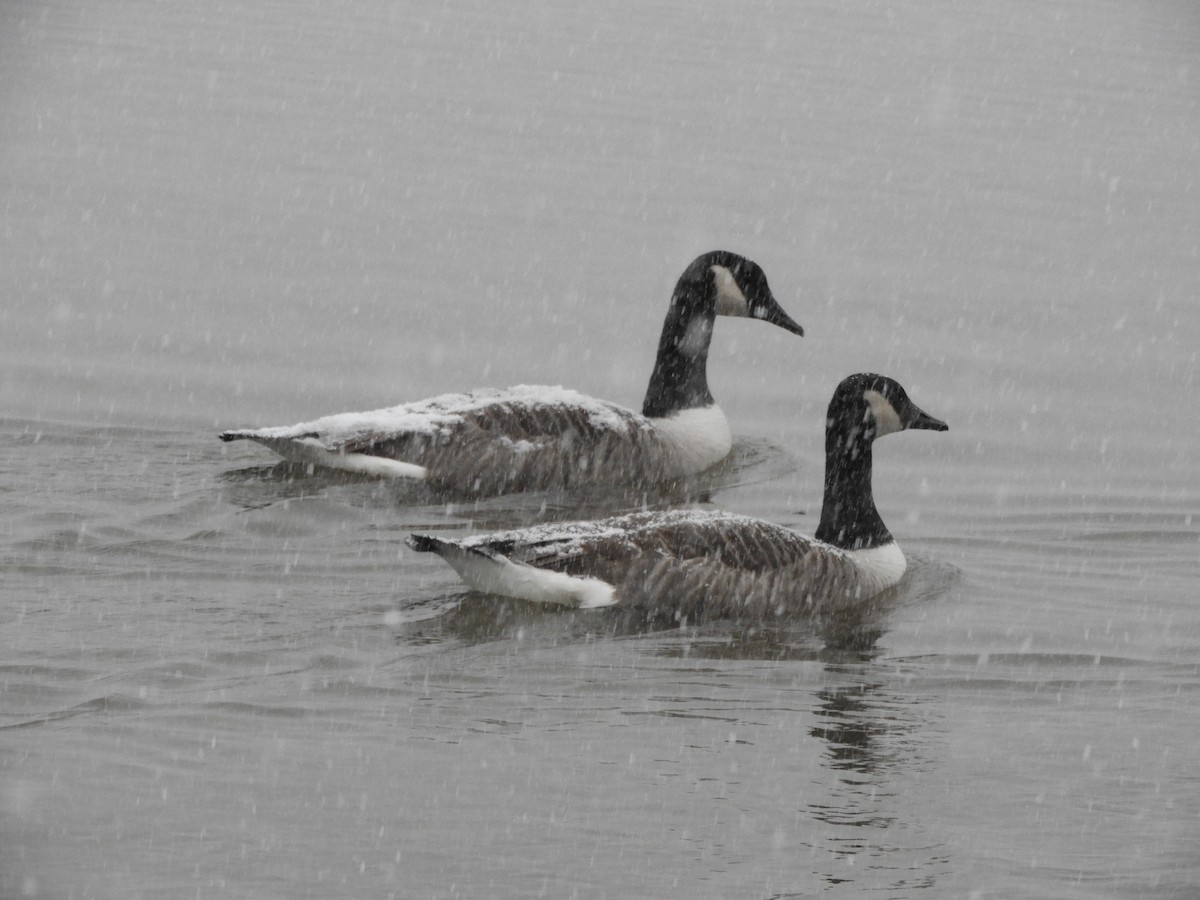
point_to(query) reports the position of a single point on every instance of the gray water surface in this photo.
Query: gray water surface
(221, 677)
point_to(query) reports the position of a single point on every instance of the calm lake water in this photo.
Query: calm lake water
(223, 678)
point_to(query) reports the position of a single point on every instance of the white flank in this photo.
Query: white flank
(881, 567)
(309, 450)
(499, 575)
(701, 437)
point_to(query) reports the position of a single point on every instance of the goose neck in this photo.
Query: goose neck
(849, 518)
(680, 377)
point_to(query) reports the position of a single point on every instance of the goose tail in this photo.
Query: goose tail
(484, 570)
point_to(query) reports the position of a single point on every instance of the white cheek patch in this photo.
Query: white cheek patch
(887, 420)
(730, 299)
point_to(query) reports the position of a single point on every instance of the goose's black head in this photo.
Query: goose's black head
(866, 406)
(731, 285)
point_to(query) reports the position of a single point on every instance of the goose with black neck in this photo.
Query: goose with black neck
(537, 438)
(695, 565)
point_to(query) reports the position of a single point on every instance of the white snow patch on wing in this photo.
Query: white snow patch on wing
(567, 533)
(519, 447)
(600, 413)
(446, 411)
(333, 431)
(697, 517)
(570, 537)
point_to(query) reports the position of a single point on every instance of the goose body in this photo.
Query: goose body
(528, 437)
(691, 565)
(536, 438)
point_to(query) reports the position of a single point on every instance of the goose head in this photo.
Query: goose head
(731, 285)
(868, 406)
(715, 283)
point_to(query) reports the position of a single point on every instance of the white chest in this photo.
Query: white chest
(699, 437)
(880, 567)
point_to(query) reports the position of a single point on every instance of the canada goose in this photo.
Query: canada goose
(531, 438)
(694, 564)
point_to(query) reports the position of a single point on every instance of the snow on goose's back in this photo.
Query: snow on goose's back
(533, 438)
